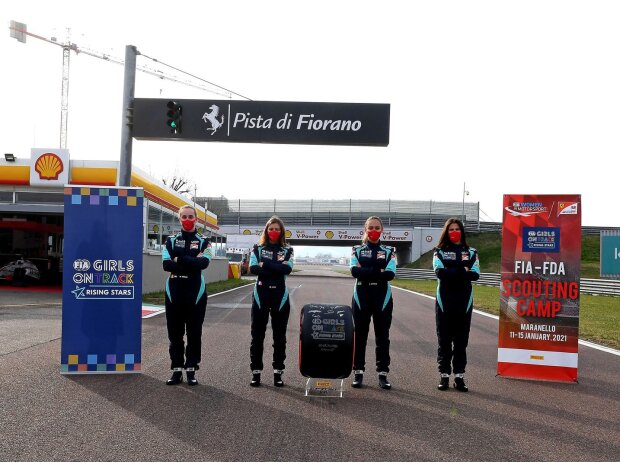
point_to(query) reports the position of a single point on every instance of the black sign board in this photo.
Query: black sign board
(263, 122)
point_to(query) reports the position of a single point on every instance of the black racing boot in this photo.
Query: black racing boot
(255, 379)
(191, 376)
(444, 382)
(358, 378)
(384, 382)
(177, 376)
(277, 377)
(459, 383)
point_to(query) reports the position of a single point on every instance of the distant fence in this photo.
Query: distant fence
(491, 226)
(339, 212)
(587, 286)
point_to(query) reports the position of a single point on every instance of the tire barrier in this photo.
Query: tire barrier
(326, 341)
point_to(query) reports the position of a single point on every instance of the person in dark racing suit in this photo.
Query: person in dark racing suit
(271, 260)
(184, 256)
(373, 265)
(456, 266)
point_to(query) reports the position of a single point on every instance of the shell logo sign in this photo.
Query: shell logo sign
(329, 234)
(49, 167)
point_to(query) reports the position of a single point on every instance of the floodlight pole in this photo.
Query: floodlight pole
(124, 175)
(465, 193)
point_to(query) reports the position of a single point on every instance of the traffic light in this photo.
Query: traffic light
(175, 116)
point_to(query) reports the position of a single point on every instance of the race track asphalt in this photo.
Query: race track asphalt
(135, 417)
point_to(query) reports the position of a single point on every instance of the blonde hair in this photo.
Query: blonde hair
(365, 237)
(187, 207)
(264, 238)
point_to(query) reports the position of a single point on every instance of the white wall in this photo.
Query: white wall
(154, 277)
(424, 240)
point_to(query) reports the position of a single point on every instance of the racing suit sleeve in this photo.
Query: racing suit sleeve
(390, 270)
(362, 273)
(167, 258)
(474, 271)
(257, 270)
(365, 273)
(385, 275)
(199, 262)
(280, 268)
(255, 267)
(444, 273)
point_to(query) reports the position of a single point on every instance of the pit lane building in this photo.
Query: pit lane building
(32, 210)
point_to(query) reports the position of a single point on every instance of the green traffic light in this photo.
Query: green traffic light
(174, 115)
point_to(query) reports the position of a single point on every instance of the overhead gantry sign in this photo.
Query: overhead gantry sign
(353, 124)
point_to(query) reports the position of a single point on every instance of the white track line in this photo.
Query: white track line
(31, 304)
(156, 313)
(596, 346)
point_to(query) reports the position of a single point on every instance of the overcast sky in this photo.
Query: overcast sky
(506, 96)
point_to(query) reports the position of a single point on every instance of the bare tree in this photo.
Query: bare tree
(181, 183)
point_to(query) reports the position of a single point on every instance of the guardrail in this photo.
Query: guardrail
(587, 286)
(490, 226)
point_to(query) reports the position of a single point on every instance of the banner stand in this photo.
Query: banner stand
(102, 280)
(539, 289)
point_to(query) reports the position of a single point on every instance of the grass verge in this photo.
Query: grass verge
(158, 298)
(599, 316)
(489, 246)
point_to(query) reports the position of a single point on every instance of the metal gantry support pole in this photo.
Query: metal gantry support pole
(350, 210)
(124, 176)
(430, 213)
(463, 212)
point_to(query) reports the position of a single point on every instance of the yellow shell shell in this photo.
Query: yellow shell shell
(329, 234)
(49, 166)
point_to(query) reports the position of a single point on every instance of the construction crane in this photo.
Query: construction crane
(19, 31)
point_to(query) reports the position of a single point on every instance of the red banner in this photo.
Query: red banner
(539, 290)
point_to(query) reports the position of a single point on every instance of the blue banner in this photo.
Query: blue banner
(541, 239)
(610, 254)
(102, 280)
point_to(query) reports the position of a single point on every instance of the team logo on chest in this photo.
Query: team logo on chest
(449, 255)
(268, 254)
(381, 255)
(281, 255)
(464, 256)
(366, 254)
(179, 243)
(194, 245)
